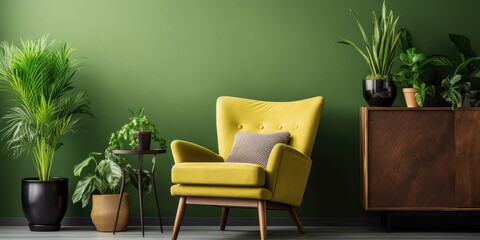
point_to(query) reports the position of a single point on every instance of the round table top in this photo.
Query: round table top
(131, 152)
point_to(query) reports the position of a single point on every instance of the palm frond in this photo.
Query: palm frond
(39, 76)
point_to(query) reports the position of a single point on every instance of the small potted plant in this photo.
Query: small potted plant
(101, 181)
(471, 71)
(379, 54)
(411, 77)
(454, 88)
(468, 81)
(138, 133)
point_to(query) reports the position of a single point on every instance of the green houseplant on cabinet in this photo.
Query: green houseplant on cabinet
(101, 181)
(469, 69)
(39, 76)
(454, 87)
(411, 76)
(379, 54)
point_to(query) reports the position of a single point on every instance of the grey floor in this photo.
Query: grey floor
(234, 232)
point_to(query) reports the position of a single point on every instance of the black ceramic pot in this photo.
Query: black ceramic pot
(474, 83)
(144, 139)
(379, 93)
(44, 203)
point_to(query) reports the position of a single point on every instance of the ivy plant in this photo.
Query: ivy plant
(128, 132)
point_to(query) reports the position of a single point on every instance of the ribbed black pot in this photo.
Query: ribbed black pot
(44, 203)
(379, 93)
(144, 139)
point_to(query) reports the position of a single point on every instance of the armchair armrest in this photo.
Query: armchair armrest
(287, 174)
(189, 152)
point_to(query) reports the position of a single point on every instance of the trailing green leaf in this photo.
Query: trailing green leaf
(421, 91)
(463, 45)
(406, 41)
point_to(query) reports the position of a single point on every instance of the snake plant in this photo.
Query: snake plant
(379, 53)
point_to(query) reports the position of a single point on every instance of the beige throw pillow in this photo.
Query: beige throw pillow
(255, 147)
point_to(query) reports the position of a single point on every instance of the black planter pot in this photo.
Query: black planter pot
(379, 93)
(474, 83)
(44, 203)
(144, 139)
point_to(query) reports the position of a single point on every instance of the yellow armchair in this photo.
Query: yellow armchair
(202, 177)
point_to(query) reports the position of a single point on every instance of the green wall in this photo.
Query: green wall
(176, 57)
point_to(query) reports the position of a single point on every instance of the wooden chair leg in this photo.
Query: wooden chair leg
(262, 218)
(296, 219)
(182, 204)
(223, 222)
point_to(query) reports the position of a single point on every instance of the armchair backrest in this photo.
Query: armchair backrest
(300, 118)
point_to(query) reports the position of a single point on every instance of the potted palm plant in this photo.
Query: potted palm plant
(379, 54)
(39, 76)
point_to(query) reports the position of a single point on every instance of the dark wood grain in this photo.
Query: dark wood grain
(408, 158)
(467, 128)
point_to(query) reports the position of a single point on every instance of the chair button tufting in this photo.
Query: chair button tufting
(280, 127)
(262, 127)
(240, 126)
(296, 127)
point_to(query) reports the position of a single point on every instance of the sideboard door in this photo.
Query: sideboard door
(467, 128)
(408, 158)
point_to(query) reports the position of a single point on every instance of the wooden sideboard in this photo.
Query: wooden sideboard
(420, 159)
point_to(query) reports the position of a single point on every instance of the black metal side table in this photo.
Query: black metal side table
(140, 154)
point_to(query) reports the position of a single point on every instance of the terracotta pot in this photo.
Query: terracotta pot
(104, 210)
(409, 94)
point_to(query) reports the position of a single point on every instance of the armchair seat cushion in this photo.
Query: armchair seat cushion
(219, 174)
(259, 193)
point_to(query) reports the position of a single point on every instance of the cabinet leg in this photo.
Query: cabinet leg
(387, 221)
